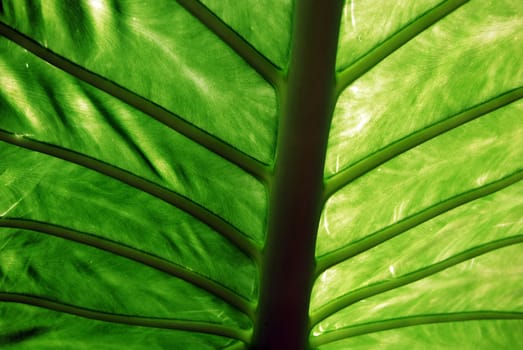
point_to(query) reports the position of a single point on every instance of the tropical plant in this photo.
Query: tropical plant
(261, 174)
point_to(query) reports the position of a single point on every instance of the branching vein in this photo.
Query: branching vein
(194, 326)
(367, 292)
(175, 199)
(410, 321)
(395, 42)
(406, 224)
(171, 120)
(376, 159)
(244, 49)
(135, 255)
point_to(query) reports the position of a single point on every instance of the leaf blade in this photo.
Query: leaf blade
(114, 40)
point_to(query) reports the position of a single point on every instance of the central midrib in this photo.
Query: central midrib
(306, 103)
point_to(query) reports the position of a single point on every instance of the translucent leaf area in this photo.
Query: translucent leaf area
(420, 239)
(365, 24)
(481, 288)
(116, 39)
(474, 228)
(270, 34)
(470, 335)
(463, 61)
(436, 173)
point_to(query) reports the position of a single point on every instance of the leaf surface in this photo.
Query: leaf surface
(144, 146)
(424, 184)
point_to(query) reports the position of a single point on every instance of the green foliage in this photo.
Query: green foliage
(141, 155)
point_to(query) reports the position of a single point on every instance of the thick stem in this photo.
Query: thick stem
(296, 190)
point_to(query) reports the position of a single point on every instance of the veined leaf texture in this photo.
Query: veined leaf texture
(270, 174)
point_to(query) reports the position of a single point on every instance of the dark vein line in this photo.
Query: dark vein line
(377, 158)
(244, 49)
(119, 249)
(212, 220)
(399, 227)
(194, 326)
(372, 290)
(394, 42)
(378, 326)
(171, 120)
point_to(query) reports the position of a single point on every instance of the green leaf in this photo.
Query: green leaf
(261, 174)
